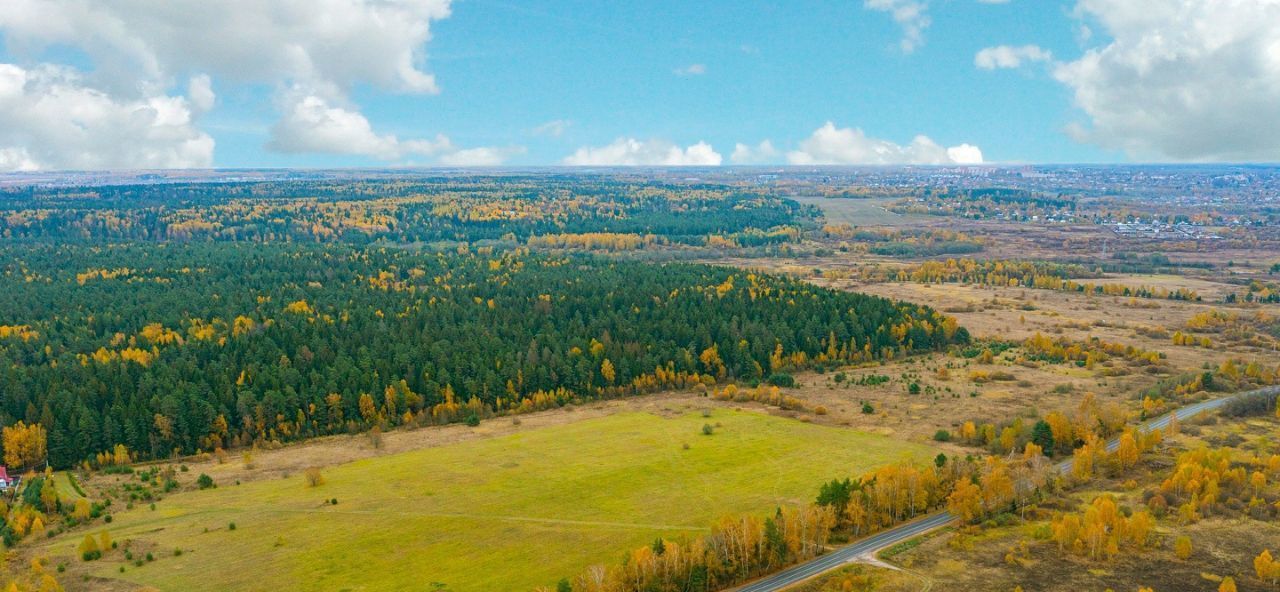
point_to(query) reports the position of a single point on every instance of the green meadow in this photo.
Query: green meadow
(506, 513)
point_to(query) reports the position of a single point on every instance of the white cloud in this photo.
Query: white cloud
(761, 153)
(140, 49)
(554, 128)
(49, 118)
(632, 152)
(482, 156)
(1008, 56)
(16, 159)
(311, 124)
(330, 44)
(1188, 80)
(691, 70)
(911, 15)
(965, 154)
(829, 145)
(200, 93)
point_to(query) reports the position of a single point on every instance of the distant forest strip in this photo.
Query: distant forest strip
(179, 347)
(1012, 274)
(401, 211)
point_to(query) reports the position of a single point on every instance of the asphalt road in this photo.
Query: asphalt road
(908, 530)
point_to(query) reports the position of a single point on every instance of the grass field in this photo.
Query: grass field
(863, 212)
(505, 513)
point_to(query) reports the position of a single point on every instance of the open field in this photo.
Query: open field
(1015, 314)
(587, 492)
(863, 212)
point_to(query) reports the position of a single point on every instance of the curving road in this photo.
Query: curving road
(908, 530)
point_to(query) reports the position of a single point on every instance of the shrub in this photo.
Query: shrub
(781, 379)
(313, 476)
(231, 526)
(204, 481)
(473, 420)
(707, 430)
(942, 436)
(868, 409)
(1252, 404)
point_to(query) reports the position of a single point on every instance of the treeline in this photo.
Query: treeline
(906, 243)
(1017, 273)
(185, 347)
(737, 549)
(402, 210)
(741, 548)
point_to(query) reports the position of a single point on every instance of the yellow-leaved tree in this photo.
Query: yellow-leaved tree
(24, 445)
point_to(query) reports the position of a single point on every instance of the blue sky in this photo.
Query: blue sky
(771, 72)
(535, 82)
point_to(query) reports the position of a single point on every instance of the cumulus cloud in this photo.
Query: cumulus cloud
(911, 15)
(1008, 56)
(691, 70)
(312, 125)
(326, 44)
(633, 152)
(200, 93)
(319, 49)
(829, 145)
(761, 153)
(1189, 80)
(49, 118)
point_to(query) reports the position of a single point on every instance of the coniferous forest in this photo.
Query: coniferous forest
(115, 328)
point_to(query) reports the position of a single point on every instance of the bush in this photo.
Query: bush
(868, 409)
(1252, 404)
(313, 476)
(204, 481)
(231, 526)
(781, 379)
(707, 430)
(473, 420)
(942, 436)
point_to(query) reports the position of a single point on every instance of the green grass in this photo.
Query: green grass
(67, 490)
(506, 513)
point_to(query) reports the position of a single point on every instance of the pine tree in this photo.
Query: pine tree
(1042, 435)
